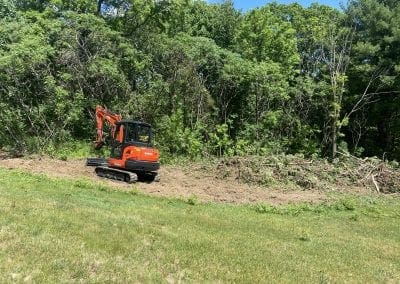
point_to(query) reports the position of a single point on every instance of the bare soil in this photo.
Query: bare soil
(176, 182)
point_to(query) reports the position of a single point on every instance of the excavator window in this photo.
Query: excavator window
(130, 134)
(143, 134)
(137, 133)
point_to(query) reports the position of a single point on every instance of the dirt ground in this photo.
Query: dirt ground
(177, 182)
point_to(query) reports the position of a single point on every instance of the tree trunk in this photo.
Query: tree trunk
(99, 3)
(334, 139)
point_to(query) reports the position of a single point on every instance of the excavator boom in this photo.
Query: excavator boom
(102, 114)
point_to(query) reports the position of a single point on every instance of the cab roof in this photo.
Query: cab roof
(130, 121)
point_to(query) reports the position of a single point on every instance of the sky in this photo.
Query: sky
(245, 5)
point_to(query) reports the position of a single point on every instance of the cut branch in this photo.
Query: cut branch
(375, 183)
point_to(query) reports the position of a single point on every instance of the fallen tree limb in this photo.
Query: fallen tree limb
(375, 183)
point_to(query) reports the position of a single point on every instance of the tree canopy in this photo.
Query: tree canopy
(212, 80)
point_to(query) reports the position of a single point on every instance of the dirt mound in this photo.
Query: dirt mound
(192, 181)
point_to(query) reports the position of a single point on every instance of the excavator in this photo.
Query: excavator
(133, 156)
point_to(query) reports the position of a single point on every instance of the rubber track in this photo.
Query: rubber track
(116, 174)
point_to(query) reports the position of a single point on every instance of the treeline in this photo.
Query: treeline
(212, 80)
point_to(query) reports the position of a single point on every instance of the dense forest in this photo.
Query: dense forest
(211, 80)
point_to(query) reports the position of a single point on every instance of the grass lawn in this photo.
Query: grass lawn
(64, 230)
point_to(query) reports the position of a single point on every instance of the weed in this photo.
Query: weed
(268, 178)
(134, 191)
(305, 235)
(82, 183)
(349, 204)
(265, 208)
(354, 217)
(192, 200)
(305, 238)
(373, 210)
(103, 188)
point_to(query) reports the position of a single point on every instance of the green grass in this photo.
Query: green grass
(63, 230)
(74, 150)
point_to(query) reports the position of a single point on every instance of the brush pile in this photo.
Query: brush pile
(291, 171)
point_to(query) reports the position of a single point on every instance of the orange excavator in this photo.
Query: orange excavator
(132, 154)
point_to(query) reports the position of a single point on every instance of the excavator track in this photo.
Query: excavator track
(116, 174)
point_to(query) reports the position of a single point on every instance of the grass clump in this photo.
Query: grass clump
(192, 200)
(372, 206)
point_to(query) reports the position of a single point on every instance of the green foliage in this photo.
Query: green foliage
(210, 79)
(374, 71)
(265, 37)
(174, 139)
(220, 141)
(70, 150)
(7, 10)
(54, 70)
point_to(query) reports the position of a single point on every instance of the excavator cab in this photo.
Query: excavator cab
(134, 133)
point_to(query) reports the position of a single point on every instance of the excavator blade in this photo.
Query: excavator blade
(96, 162)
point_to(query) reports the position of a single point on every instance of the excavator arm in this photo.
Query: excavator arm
(102, 115)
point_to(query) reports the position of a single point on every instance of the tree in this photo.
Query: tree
(336, 56)
(374, 76)
(7, 10)
(263, 36)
